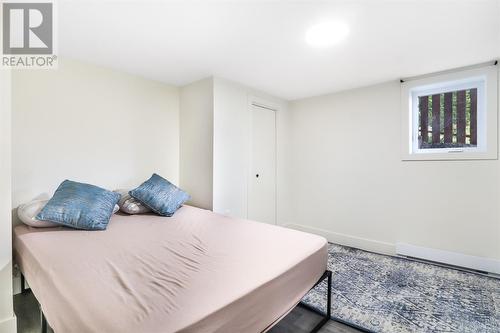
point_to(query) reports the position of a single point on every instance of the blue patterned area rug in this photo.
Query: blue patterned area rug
(388, 294)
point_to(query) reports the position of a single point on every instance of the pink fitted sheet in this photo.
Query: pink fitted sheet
(194, 272)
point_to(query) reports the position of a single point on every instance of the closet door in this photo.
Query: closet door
(262, 178)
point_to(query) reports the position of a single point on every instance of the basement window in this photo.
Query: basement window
(451, 116)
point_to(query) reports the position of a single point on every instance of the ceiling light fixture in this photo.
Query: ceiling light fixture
(327, 33)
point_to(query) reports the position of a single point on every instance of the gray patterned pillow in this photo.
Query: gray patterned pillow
(130, 205)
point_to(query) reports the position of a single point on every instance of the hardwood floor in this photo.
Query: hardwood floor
(300, 320)
(27, 313)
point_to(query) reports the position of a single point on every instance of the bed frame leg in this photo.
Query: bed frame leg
(44, 322)
(326, 318)
(329, 296)
(23, 284)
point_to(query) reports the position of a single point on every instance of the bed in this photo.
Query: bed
(194, 272)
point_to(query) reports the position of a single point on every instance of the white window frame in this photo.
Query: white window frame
(485, 79)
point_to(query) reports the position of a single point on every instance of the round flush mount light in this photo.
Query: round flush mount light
(327, 33)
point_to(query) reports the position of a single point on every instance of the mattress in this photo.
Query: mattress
(194, 272)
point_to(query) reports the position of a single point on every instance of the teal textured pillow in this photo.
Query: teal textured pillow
(160, 195)
(80, 206)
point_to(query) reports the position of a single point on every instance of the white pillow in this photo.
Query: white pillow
(27, 214)
(131, 205)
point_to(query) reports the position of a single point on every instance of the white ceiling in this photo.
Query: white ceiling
(261, 44)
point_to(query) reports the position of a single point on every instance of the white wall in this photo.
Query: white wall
(90, 124)
(339, 166)
(7, 319)
(196, 141)
(231, 151)
(347, 181)
(215, 140)
(231, 154)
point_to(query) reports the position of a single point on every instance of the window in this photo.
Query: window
(451, 116)
(447, 119)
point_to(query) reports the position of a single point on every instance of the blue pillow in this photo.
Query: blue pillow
(80, 206)
(160, 195)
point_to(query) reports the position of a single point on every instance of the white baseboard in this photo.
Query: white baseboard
(451, 258)
(8, 325)
(441, 256)
(348, 240)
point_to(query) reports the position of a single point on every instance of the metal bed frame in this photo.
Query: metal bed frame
(326, 317)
